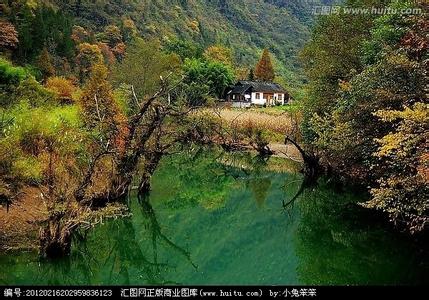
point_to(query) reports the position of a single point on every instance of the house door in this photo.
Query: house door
(270, 100)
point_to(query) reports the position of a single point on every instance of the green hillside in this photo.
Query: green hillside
(246, 26)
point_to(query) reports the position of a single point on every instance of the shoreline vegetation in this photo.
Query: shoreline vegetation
(29, 208)
(88, 112)
(20, 222)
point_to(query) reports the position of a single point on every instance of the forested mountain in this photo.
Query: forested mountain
(244, 26)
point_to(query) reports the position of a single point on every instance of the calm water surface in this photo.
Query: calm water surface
(216, 218)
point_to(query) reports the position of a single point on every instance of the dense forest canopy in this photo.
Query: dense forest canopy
(367, 110)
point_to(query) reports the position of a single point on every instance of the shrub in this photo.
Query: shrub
(63, 88)
(10, 74)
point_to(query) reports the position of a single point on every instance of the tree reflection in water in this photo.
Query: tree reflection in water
(115, 255)
(221, 211)
(338, 242)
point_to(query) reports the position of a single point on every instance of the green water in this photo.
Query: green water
(216, 218)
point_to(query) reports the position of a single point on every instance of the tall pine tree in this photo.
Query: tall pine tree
(264, 69)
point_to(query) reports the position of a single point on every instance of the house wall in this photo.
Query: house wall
(239, 98)
(263, 98)
(260, 101)
(276, 97)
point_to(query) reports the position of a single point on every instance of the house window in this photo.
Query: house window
(257, 96)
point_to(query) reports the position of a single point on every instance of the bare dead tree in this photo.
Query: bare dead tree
(163, 141)
(141, 126)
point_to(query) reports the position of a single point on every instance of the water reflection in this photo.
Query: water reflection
(340, 243)
(218, 218)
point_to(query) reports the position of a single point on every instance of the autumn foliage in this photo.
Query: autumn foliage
(8, 35)
(367, 113)
(264, 69)
(88, 55)
(119, 51)
(80, 35)
(100, 111)
(62, 87)
(109, 57)
(45, 64)
(219, 54)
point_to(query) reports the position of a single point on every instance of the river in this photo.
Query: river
(218, 218)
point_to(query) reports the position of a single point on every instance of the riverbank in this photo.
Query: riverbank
(204, 221)
(20, 222)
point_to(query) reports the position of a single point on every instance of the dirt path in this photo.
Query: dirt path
(285, 151)
(18, 226)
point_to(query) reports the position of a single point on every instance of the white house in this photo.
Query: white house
(245, 93)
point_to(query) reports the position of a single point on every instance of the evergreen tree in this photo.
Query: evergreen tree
(264, 69)
(251, 75)
(44, 63)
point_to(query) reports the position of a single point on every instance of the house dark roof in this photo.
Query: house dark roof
(257, 86)
(240, 89)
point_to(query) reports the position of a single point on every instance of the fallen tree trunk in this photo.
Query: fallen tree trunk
(126, 166)
(55, 238)
(151, 163)
(129, 164)
(311, 167)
